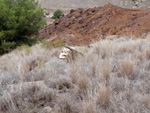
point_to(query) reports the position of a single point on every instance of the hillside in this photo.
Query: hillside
(111, 77)
(73, 4)
(92, 60)
(81, 27)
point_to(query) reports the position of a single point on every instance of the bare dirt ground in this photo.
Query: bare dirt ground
(82, 27)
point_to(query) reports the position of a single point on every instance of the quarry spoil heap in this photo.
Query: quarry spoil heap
(84, 26)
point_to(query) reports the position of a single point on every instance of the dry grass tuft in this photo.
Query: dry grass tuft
(104, 97)
(67, 104)
(61, 84)
(83, 84)
(89, 107)
(106, 71)
(146, 101)
(139, 56)
(148, 54)
(73, 75)
(127, 68)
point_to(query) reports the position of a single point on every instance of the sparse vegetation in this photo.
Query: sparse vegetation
(49, 44)
(114, 80)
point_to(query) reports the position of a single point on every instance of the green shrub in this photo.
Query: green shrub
(61, 43)
(58, 14)
(19, 19)
(6, 46)
(55, 44)
(134, 1)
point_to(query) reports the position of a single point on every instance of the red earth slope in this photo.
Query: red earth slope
(82, 27)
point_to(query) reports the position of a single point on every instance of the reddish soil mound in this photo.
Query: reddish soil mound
(81, 27)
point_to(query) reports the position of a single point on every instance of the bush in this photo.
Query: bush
(19, 19)
(58, 14)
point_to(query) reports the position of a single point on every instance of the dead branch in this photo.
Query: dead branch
(74, 50)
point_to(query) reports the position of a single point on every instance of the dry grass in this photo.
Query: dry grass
(106, 71)
(148, 54)
(74, 75)
(111, 77)
(104, 97)
(83, 84)
(127, 68)
(93, 69)
(89, 107)
(146, 101)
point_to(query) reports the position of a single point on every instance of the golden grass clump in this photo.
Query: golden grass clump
(147, 54)
(73, 75)
(139, 56)
(89, 107)
(83, 84)
(106, 71)
(104, 97)
(127, 68)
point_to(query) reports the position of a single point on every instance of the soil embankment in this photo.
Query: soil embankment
(82, 27)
